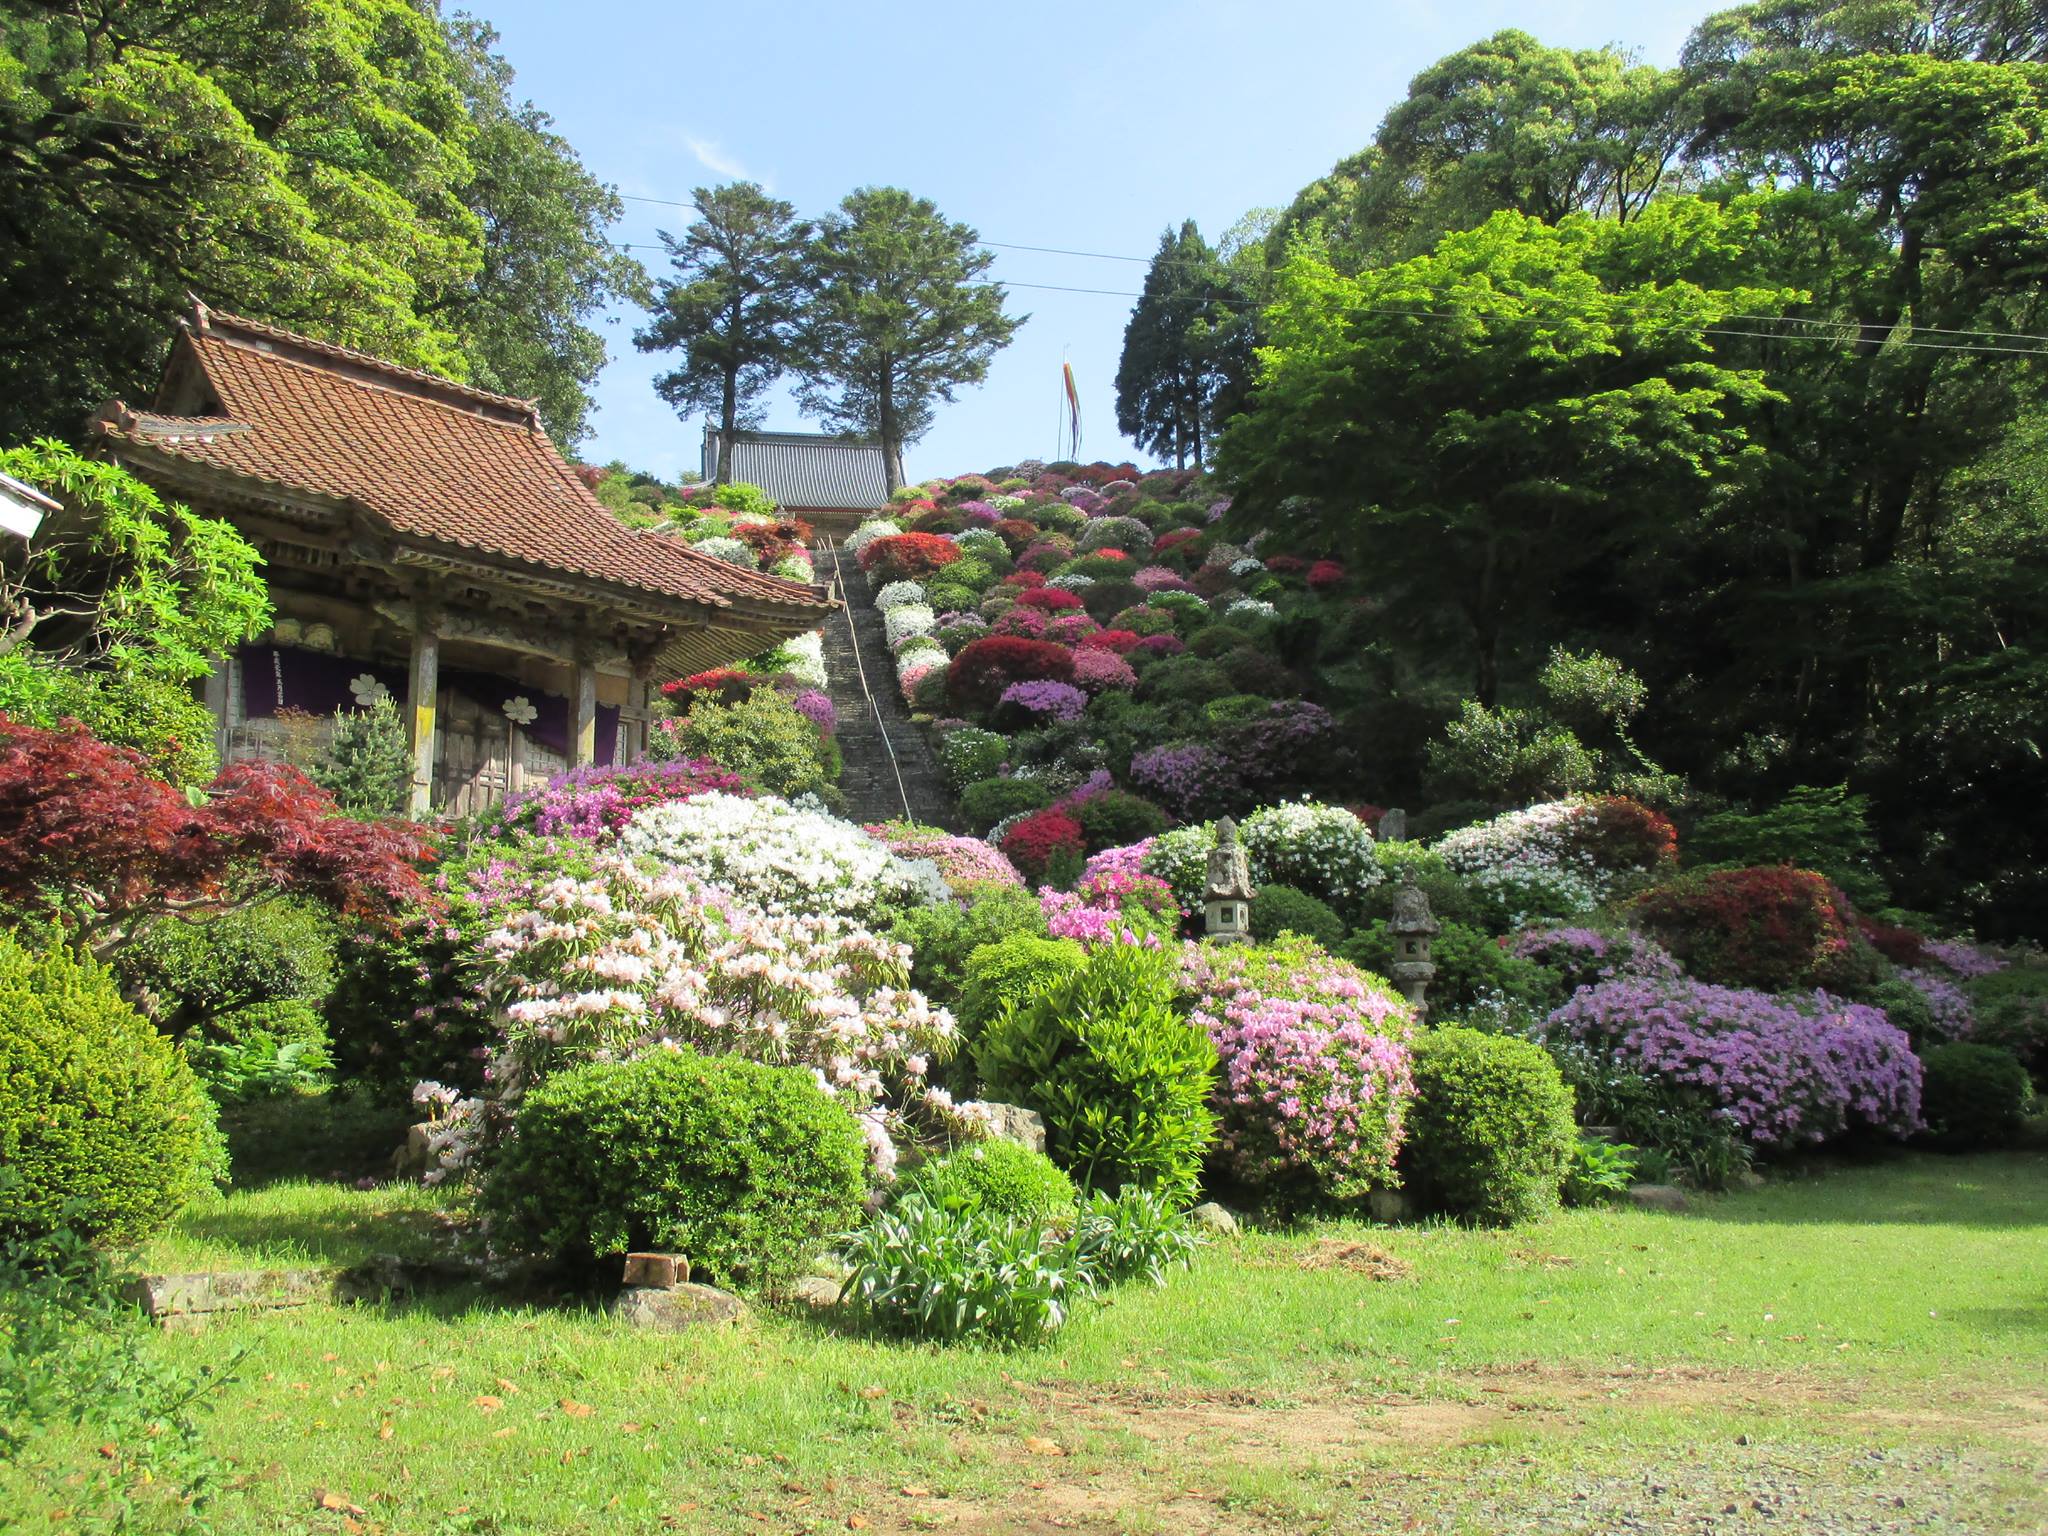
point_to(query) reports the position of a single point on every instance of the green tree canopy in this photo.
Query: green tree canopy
(897, 317)
(1482, 422)
(731, 307)
(1178, 348)
(347, 168)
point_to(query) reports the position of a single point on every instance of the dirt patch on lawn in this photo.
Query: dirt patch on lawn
(1367, 1259)
(1116, 1458)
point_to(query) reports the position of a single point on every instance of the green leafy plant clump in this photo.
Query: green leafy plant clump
(1490, 1134)
(748, 1169)
(1000, 1178)
(762, 737)
(1122, 1079)
(1973, 1096)
(103, 1127)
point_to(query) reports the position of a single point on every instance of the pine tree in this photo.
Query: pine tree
(1177, 349)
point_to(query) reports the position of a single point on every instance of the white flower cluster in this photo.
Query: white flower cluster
(874, 528)
(981, 541)
(907, 619)
(1007, 503)
(731, 551)
(1530, 861)
(794, 566)
(1073, 583)
(1250, 565)
(1250, 608)
(803, 658)
(772, 855)
(898, 593)
(1321, 849)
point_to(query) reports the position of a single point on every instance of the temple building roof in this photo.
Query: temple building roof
(805, 471)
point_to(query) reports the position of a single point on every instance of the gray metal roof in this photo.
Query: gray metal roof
(805, 469)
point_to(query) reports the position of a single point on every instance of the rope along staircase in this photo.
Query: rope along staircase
(890, 769)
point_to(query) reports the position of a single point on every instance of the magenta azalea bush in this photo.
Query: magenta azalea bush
(594, 804)
(1316, 1074)
(963, 862)
(1784, 1071)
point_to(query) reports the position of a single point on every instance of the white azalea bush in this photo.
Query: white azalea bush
(898, 593)
(874, 528)
(1250, 608)
(802, 658)
(1530, 863)
(907, 619)
(1321, 849)
(774, 855)
(731, 551)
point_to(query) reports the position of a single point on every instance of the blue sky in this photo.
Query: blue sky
(1083, 126)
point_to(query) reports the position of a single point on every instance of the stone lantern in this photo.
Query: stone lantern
(1227, 893)
(1411, 928)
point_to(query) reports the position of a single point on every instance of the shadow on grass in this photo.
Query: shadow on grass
(330, 1235)
(1996, 1190)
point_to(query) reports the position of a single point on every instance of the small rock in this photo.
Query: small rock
(416, 1158)
(1658, 1197)
(1013, 1122)
(1749, 1178)
(1216, 1219)
(817, 1291)
(689, 1305)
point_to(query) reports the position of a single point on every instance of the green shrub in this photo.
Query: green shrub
(1117, 819)
(748, 1169)
(2012, 1012)
(761, 736)
(971, 754)
(1132, 1234)
(1218, 641)
(1600, 1171)
(741, 497)
(1973, 1096)
(199, 976)
(989, 801)
(96, 1107)
(1282, 909)
(943, 934)
(1824, 829)
(1122, 1079)
(999, 1178)
(367, 766)
(1007, 972)
(1490, 1134)
(950, 597)
(1472, 971)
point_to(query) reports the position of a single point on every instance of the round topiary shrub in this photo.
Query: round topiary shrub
(1117, 818)
(748, 1169)
(1279, 909)
(1490, 1133)
(1000, 1179)
(989, 801)
(1973, 1096)
(102, 1124)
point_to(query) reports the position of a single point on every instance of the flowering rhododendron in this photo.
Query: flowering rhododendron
(961, 861)
(897, 593)
(1316, 1075)
(1026, 623)
(1046, 700)
(1070, 916)
(906, 620)
(1965, 960)
(1038, 838)
(1052, 599)
(1103, 671)
(594, 804)
(1784, 1071)
(1186, 776)
(1586, 956)
(1321, 849)
(773, 855)
(1954, 1016)
(1325, 574)
(874, 528)
(1538, 862)
(816, 706)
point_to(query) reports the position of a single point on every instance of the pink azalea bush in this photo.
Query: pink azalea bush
(963, 862)
(1784, 1071)
(1103, 671)
(1316, 1074)
(594, 804)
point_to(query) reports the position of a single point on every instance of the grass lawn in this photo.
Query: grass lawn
(1861, 1351)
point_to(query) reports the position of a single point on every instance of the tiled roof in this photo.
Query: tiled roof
(803, 469)
(434, 460)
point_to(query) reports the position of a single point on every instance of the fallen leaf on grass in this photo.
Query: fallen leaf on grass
(871, 1393)
(912, 1491)
(485, 1403)
(574, 1409)
(384, 1431)
(1038, 1445)
(856, 1522)
(322, 1499)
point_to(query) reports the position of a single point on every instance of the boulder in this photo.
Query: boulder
(1214, 1218)
(1013, 1122)
(1388, 1205)
(685, 1306)
(818, 1291)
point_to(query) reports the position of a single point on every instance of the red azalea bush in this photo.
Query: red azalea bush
(985, 667)
(771, 541)
(1159, 645)
(1103, 671)
(1052, 599)
(1622, 834)
(1040, 839)
(1325, 574)
(1287, 565)
(1118, 640)
(720, 685)
(1175, 539)
(1772, 928)
(1901, 946)
(1028, 581)
(1018, 619)
(906, 556)
(91, 839)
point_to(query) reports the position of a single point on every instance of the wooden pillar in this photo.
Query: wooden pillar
(424, 685)
(218, 681)
(583, 713)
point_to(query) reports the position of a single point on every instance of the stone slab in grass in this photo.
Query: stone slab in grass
(673, 1309)
(192, 1300)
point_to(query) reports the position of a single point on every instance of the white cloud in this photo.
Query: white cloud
(713, 158)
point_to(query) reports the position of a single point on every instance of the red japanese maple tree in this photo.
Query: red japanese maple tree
(91, 839)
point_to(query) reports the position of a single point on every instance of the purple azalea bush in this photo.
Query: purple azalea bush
(1966, 960)
(962, 861)
(1045, 699)
(1784, 1071)
(1585, 957)
(1186, 777)
(594, 803)
(1955, 1017)
(815, 705)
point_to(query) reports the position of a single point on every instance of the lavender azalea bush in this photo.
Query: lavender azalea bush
(1045, 699)
(1784, 1071)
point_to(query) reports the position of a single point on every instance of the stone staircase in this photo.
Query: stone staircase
(888, 761)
